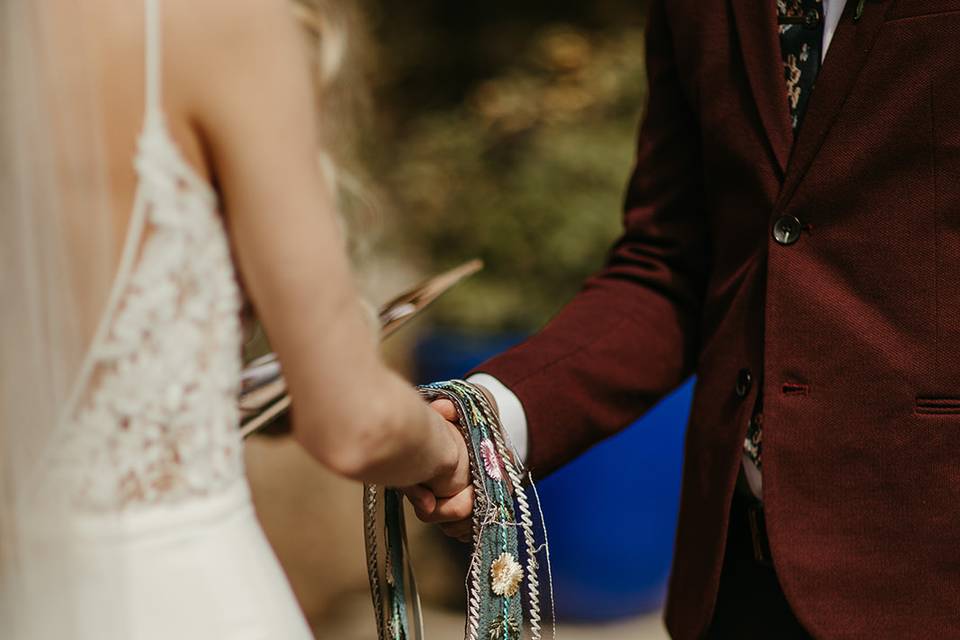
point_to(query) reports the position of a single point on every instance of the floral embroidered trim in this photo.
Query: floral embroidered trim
(491, 461)
(506, 574)
(504, 628)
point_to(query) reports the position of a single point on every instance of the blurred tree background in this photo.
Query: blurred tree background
(504, 130)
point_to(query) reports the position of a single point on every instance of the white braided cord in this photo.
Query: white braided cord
(526, 520)
(481, 504)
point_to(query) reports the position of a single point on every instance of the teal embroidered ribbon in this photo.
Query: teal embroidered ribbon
(494, 600)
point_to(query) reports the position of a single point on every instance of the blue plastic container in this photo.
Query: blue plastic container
(611, 514)
(445, 355)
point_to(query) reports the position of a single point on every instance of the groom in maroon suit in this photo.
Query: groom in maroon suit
(792, 237)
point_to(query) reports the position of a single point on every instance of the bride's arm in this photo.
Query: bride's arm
(253, 104)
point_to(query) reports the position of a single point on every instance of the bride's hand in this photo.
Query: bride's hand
(448, 499)
(450, 483)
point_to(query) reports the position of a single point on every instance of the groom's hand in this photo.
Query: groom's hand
(448, 502)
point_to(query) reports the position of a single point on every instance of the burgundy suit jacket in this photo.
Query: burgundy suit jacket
(852, 332)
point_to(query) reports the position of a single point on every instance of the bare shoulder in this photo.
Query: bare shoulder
(228, 47)
(218, 31)
(229, 16)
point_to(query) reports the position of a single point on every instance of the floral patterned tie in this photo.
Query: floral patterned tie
(801, 43)
(800, 23)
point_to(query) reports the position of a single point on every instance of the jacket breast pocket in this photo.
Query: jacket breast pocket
(937, 406)
(906, 9)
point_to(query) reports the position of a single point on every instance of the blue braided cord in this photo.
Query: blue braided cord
(392, 505)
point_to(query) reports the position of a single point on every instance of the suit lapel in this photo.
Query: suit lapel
(760, 45)
(845, 58)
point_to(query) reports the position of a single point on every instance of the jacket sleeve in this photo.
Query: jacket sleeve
(631, 335)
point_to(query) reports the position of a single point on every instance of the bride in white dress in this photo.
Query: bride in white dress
(151, 151)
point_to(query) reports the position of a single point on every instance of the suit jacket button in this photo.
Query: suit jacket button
(786, 230)
(744, 382)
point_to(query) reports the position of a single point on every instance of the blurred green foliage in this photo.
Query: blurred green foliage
(506, 132)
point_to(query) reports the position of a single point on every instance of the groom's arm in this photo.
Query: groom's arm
(631, 335)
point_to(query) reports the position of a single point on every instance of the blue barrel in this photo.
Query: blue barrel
(611, 513)
(445, 354)
(611, 516)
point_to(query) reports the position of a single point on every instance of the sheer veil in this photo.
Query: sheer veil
(56, 261)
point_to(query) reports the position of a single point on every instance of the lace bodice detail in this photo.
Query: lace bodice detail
(153, 415)
(155, 418)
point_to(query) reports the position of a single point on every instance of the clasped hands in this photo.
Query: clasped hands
(448, 499)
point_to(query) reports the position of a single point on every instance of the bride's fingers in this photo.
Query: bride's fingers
(446, 410)
(423, 501)
(460, 530)
(459, 507)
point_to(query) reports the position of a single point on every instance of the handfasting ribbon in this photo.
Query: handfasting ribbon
(496, 576)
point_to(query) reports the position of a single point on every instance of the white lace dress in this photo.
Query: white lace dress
(168, 545)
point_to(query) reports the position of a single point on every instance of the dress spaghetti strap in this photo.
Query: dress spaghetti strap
(153, 67)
